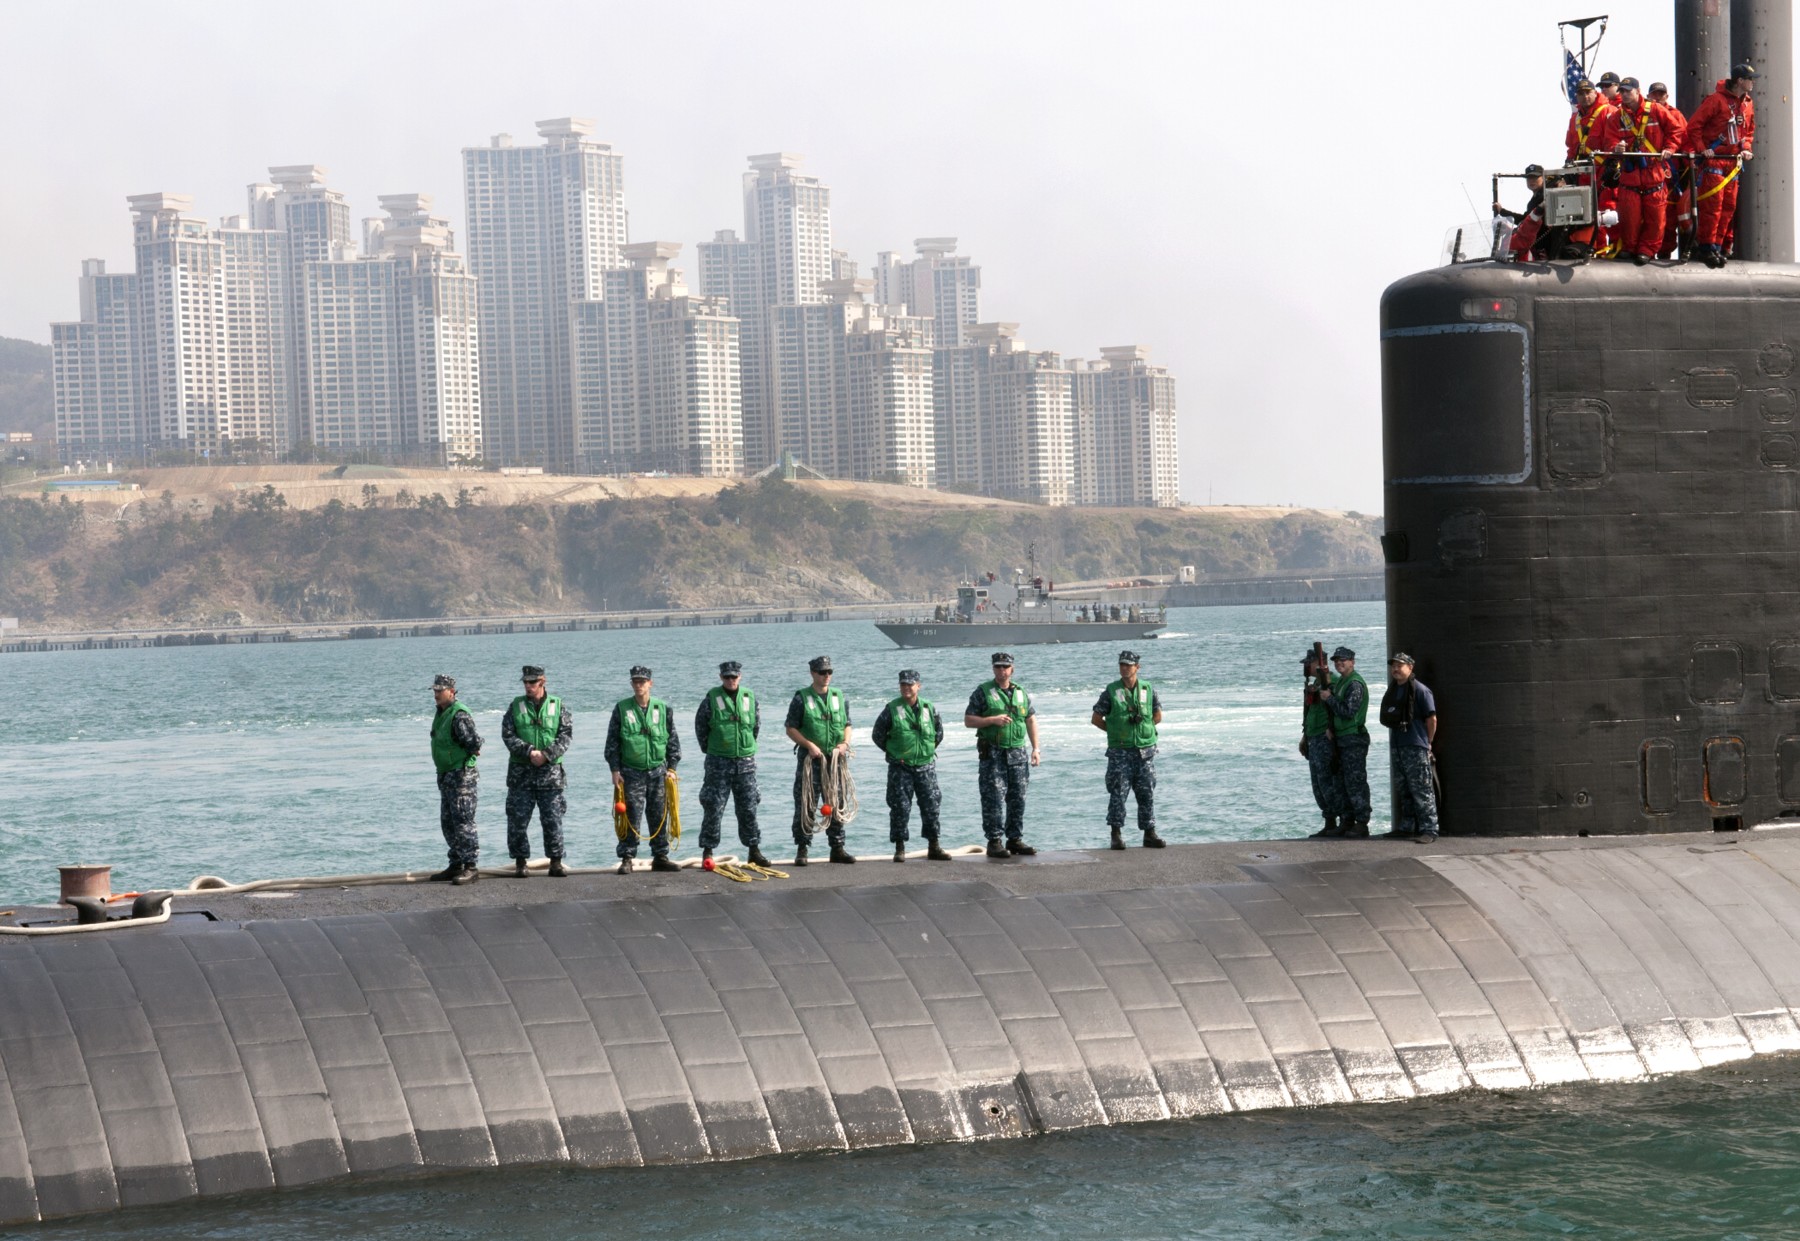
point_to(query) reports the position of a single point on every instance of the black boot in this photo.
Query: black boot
(1357, 831)
(520, 869)
(1330, 831)
(936, 853)
(900, 852)
(1152, 840)
(1118, 839)
(557, 869)
(756, 857)
(447, 874)
(664, 862)
(997, 849)
(625, 866)
(800, 854)
(1018, 848)
(841, 854)
(467, 874)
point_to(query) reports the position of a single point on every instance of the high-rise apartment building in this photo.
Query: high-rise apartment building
(940, 283)
(784, 260)
(545, 224)
(93, 372)
(1126, 446)
(1008, 413)
(312, 223)
(392, 342)
(852, 386)
(655, 377)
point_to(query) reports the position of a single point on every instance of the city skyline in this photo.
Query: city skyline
(593, 355)
(1095, 166)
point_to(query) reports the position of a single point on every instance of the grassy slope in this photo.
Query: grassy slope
(25, 387)
(770, 543)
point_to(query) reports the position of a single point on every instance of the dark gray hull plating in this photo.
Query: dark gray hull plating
(157, 1064)
(1593, 547)
(1002, 634)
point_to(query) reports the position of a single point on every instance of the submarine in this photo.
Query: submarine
(1591, 498)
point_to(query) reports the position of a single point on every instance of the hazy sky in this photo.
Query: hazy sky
(1230, 184)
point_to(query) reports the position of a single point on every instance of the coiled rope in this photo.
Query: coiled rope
(826, 782)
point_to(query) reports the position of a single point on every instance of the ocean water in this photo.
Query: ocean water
(312, 758)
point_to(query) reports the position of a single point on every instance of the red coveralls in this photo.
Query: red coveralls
(1679, 215)
(1583, 142)
(1722, 128)
(1642, 197)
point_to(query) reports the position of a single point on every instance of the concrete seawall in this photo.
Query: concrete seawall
(641, 1022)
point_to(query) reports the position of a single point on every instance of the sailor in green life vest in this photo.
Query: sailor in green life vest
(454, 745)
(536, 732)
(909, 731)
(1347, 702)
(1005, 724)
(1318, 744)
(818, 723)
(1128, 713)
(642, 748)
(727, 726)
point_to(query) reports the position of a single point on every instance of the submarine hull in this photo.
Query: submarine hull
(1592, 515)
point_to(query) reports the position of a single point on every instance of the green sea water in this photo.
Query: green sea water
(312, 758)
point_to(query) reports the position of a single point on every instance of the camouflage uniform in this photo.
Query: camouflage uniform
(456, 814)
(903, 785)
(728, 779)
(646, 801)
(1320, 756)
(539, 788)
(1350, 785)
(733, 778)
(1004, 775)
(1131, 771)
(1415, 797)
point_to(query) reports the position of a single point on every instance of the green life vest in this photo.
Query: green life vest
(912, 732)
(1014, 702)
(824, 717)
(643, 734)
(1121, 733)
(1355, 723)
(446, 750)
(1316, 721)
(536, 726)
(730, 730)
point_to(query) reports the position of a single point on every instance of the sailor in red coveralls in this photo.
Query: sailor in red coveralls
(1721, 130)
(1640, 133)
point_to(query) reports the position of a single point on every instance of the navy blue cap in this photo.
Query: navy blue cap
(909, 676)
(443, 681)
(1343, 652)
(640, 673)
(731, 668)
(1128, 657)
(531, 672)
(1001, 660)
(819, 663)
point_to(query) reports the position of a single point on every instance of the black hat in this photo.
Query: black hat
(1401, 657)
(1745, 70)
(1343, 652)
(1659, 88)
(1128, 657)
(909, 676)
(639, 672)
(532, 673)
(1534, 170)
(819, 663)
(1584, 84)
(1001, 660)
(1630, 84)
(730, 668)
(443, 681)
(1609, 78)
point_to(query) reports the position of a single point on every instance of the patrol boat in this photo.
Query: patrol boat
(990, 612)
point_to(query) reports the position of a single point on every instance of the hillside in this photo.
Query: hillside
(63, 565)
(25, 387)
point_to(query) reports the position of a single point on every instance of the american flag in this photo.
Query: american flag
(1571, 74)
